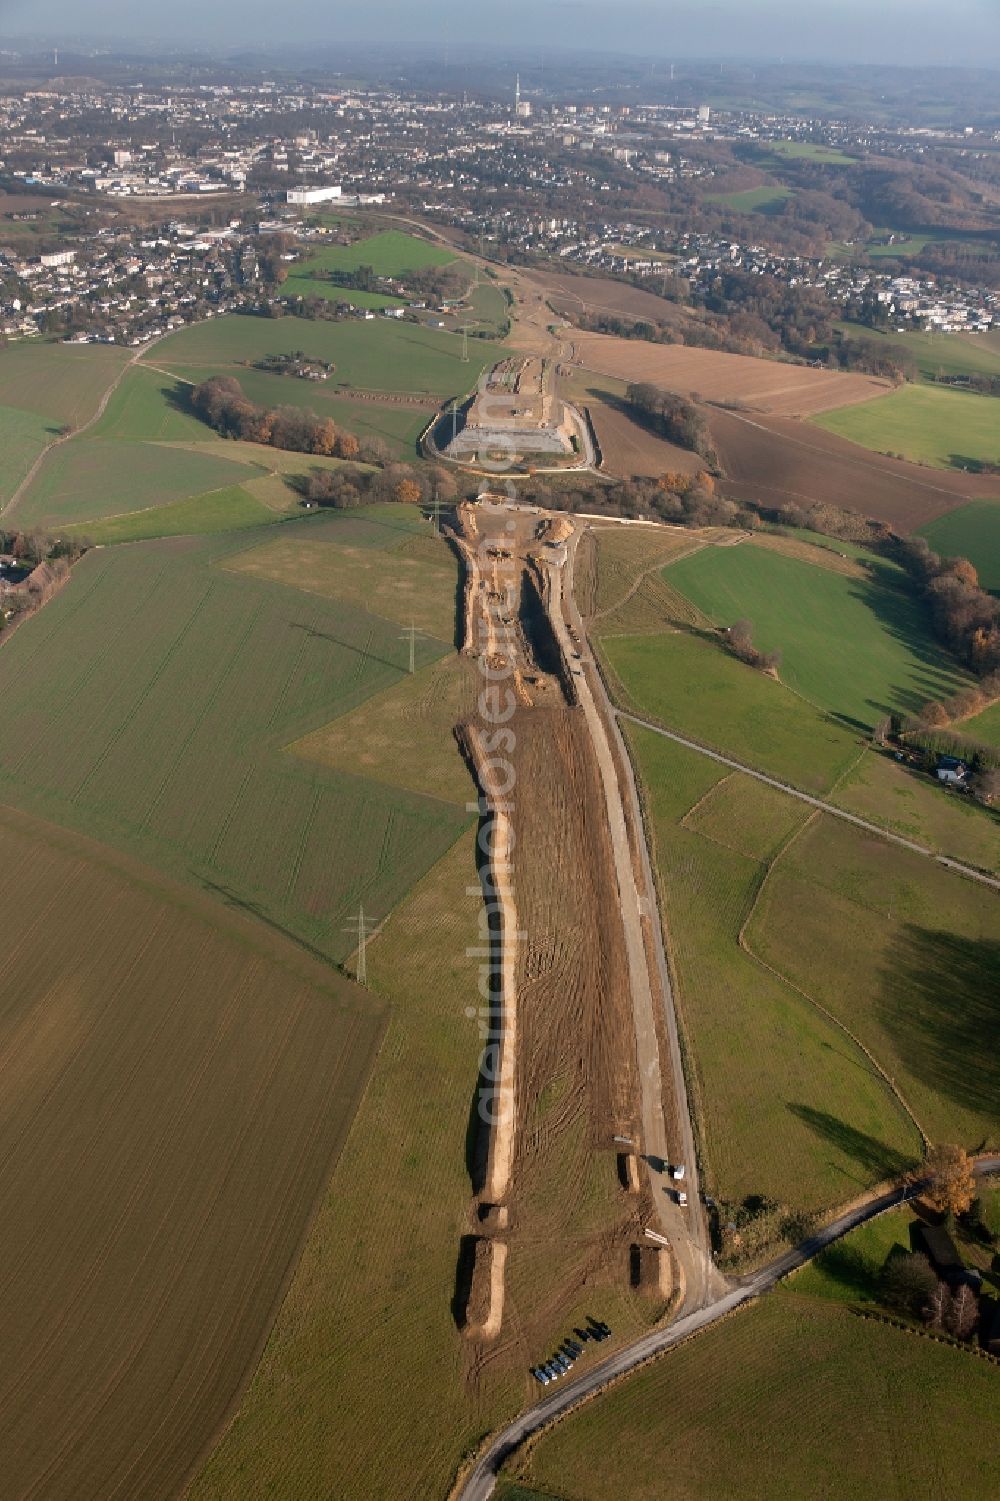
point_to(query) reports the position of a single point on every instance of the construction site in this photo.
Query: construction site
(517, 412)
(576, 1076)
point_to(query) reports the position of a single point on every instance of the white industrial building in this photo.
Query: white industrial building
(312, 195)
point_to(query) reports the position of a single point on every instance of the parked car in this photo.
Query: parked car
(540, 1375)
(677, 1171)
(682, 1198)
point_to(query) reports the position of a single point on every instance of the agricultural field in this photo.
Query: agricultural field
(904, 953)
(389, 253)
(811, 151)
(984, 726)
(149, 407)
(149, 704)
(62, 382)
(973, 532)
(150, 468)
(764, 385)
(769, 199)
(206, 1072)
(160, 413)
(692, 686)
(855, 643)
(915, 805)
(627, 447)
(304, 281)
(320, 1416)
(774, 459)
(929, 425)
(421, 712)
(411, 589)
(625, 554)
(880, 1413)
(23, 436)
(785, 1102)
(89, 478)
(936, 354)
(229, 509)
(383, 355)
(600, 294)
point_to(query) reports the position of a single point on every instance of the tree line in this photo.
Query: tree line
(673, 417)
(223, 404)
(964, 616)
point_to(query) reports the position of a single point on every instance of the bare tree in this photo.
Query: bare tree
(937, 1307)
(962, 1316)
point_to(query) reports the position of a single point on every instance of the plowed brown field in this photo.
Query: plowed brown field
(628, 448)
(770, 459)
(602, 294)
(175, 1084)
(764, 385)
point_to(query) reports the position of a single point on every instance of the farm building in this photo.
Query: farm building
(952, 771)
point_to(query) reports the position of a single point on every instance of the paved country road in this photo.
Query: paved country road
(969, 871)
(481, 1480)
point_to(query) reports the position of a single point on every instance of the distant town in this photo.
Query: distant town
(132, 210)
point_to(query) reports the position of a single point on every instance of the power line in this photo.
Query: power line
(363, 927)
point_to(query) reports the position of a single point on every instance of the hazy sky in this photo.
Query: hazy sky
(904, 31)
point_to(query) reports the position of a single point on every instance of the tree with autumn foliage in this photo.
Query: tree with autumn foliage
(951, 1184)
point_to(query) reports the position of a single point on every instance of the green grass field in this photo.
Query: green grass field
(936, 354)
(767, 1066)
(856, 647)
(928, 424)
(63, 382)
(915, 805)
(379, 356)
(904, 953)
(389, 253)
(811, 151)
(792, 1397)
(149, 407)
(304, 281)
(90, 478)
(984, 726)
(972, 531)
(768, 199)
(23, 436)
(227, 510)
(694, 687)
(150, 704)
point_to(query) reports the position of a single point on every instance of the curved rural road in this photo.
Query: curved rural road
(481, 1481)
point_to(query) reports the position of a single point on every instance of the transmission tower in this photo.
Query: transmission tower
(410, 634)
(363, 927)
(465, 343)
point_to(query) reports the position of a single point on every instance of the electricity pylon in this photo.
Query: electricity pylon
(363, 927)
